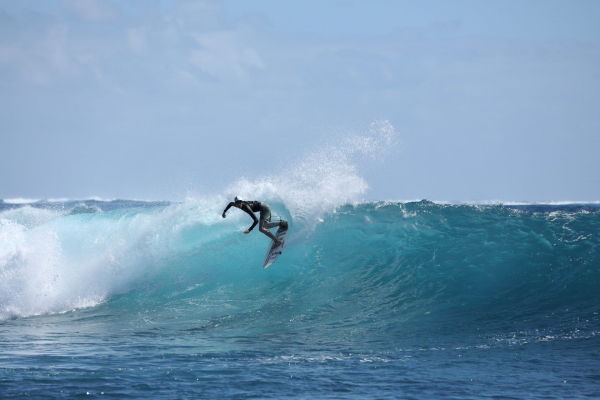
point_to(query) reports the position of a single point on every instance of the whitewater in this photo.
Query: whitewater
(419, 299)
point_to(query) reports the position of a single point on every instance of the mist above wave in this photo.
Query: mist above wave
(324, 178)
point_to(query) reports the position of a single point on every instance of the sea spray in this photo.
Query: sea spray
(324, 178)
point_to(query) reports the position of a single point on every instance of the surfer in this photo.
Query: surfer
(250, 207)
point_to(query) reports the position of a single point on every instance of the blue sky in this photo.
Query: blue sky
(159, 99)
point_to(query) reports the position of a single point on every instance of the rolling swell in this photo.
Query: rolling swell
(422, 266)
(380, 271)
(366, 272)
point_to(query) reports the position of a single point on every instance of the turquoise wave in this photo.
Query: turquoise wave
(364, 272)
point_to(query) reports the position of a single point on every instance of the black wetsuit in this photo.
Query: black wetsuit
(250, 207)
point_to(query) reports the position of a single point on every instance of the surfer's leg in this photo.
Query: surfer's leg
(265, 218)
(270, 225)
(263, 229)
(282, 224)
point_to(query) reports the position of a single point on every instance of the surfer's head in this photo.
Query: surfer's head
(237, 199)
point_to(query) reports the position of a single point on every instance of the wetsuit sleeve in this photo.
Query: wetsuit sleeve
(228, 207)
(249, 211)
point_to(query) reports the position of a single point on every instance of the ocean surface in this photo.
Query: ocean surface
(131, 299)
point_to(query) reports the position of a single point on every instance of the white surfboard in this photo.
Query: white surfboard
(273, 252)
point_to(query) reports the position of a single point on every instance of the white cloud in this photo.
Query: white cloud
(136, 37)
(32, 73)
(199, 14)
(8, 53)
(252, 59)
(222, 56)
(92, 10)
(54, 47)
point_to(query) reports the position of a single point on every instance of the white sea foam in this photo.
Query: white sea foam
(28, 216)
(52, 262)
(548, 203)
(58, 200)
(498, 202)
(66, 199)
(20, 200)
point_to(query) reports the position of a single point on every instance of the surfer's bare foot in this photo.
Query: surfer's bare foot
(278, 243)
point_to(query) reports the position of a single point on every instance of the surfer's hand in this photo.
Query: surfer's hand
(224, 215)
(247, 231)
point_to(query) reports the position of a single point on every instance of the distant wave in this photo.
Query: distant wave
(500, 202)
(18, 200)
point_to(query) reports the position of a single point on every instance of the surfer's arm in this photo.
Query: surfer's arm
(249, 212)
(227, 208)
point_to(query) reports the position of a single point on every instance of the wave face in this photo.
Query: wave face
(370, 272)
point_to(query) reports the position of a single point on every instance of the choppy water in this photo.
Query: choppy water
(129, 299)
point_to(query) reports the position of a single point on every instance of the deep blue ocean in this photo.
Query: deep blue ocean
(130, 299)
